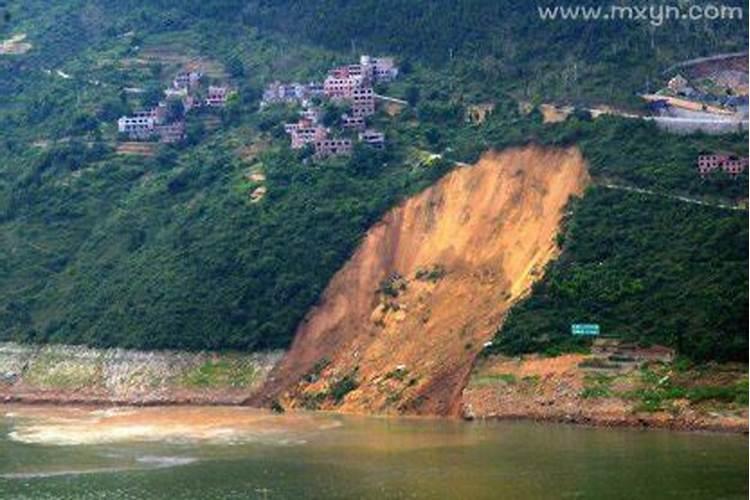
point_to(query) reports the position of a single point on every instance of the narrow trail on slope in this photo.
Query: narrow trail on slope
(675, 197)
(399, 326)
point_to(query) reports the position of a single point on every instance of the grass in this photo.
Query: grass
(658, 391)
(725, 394)
(336, 392)
(597, 385)
(341, 387)
(432, 274)
(234, 373)
(58, 372)
(397, 374)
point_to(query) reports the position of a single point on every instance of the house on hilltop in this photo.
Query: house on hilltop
(217, 96)
(678, 84)
(333, 147)
(187, 80)
(373, 138)
(305, 132)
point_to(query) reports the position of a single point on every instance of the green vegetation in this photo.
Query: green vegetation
(276, 407)
(432, 274)
(597, 385)
(393, 285)
(167, 251)
(658, 388)
(343, 386)
(54, 371)
(314, 374)
(492, 49)
(226, 372)
(646, 269)
(336, 392)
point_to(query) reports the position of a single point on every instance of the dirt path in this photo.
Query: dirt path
(675, 197)
(399, 326)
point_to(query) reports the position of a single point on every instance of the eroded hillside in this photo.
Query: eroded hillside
(399, 326)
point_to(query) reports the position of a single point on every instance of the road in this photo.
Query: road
(698, 60)
(648, 192)
(676, 197)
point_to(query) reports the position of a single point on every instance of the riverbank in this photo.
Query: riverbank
(669, 396)
(707, 398)
(68, 375)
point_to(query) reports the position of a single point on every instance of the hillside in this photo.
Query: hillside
(168, 250)
(403, 320)
(491, 49)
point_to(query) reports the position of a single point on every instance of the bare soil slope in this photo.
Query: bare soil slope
(400, 324)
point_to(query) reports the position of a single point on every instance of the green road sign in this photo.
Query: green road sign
(584, 329)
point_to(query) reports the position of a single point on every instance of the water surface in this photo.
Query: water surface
(176, 453)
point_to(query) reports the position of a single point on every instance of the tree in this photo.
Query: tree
(235, 66)
(412, 95)
(175, 110)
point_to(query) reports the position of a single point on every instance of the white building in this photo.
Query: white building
(373, 138)
(140, 125)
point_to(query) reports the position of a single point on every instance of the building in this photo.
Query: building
(312, 114)
(294, 92)
(730, 164)
(217, 96)
(338, 88)
(373, 138)
(191, 102)
(278, 92)
(383, 68)
(734, 166)
(140, 125)
(353, 122)
(678, 84)
(187, 80)
(176, 93)
(315, 89)
(363, 101)
(305, 132)
(136, 127)
(332, 147)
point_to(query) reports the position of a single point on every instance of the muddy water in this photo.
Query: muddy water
(242, 453)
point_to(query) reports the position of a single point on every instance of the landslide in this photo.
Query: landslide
(399, 326)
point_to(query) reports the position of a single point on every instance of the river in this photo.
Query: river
(226, 452)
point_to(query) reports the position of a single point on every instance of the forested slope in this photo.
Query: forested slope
(168, 251)
(491, 48)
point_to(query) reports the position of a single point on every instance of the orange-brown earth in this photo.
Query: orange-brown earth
(429, 285)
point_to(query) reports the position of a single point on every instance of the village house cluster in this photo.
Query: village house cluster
(351, 84)
(727, 163)
(157, 122)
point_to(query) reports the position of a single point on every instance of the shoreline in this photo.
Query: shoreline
(650, 395)
(657, 421)
(639, 423)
